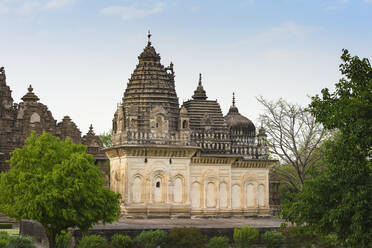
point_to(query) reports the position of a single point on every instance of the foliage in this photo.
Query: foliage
(63, 240)
(106, 138)
(339, 200)
(21, 242)
(6, 225)
(273, 239)
(186, 237)
(121, 241)
(92, 241)
(57, 184)
(4, 243)
(151, 239)
(329, 241)
(294, 138)
(298, 236)
(4, 239)
(218, 242)
(244, 237)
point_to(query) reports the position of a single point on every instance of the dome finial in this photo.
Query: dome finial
(200, 79)
(149, 36)
(233, 100)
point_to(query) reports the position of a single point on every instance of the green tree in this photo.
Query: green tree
(57, 184)
(339, 199)
(106, 138)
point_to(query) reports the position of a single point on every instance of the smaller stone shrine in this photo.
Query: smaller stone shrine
(17, 120)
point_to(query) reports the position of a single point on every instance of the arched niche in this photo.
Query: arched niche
(235, 196)
(261, 195)
(158, 190)
(178, 190)
(211, 195)
(35, 118)
(137, 190)
(223, 195)
(195, 195)
(249, 195)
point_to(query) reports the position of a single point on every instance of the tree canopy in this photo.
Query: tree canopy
(106, 138)
(57, 184)
(294, 139)
(339, 199)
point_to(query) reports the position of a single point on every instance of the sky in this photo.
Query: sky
(79, 54)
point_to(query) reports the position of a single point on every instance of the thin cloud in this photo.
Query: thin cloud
(57, 4)
(284, 32)
(368, 1)
(133, 12)
(195, 9)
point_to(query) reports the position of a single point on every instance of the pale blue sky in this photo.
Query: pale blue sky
(79, 54)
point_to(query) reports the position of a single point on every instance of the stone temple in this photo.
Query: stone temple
(17, 120)
(169, 160)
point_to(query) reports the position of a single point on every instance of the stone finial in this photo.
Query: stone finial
(30, 96)
(91, 131)
(2, 70)
(199, 93)
(233, 99)
(149, 36)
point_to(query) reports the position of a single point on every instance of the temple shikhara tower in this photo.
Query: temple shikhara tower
(17, 120)
(169, 160)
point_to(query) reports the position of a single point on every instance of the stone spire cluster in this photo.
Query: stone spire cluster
(17, 120)
(150, 114)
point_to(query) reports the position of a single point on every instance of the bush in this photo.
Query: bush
(244, 237)
(298, 236)
(21, 242)
(273, 239)
(63, 240)
(4, 243)
(186, 237)
(4, 235)
(218, 242)
(151, 239)
(121, 241)
(6, 225)
(329, 241)
(92, 241)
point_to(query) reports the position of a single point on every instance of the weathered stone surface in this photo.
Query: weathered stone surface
(18, 120)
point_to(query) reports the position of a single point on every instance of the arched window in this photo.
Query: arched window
(184, 124)
(158, 190)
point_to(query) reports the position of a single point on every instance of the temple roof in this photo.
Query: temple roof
(203, 112)
(235, 120)
(151, 85)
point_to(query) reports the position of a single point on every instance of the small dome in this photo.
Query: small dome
(237, 121)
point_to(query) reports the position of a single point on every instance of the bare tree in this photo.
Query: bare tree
(294, 138)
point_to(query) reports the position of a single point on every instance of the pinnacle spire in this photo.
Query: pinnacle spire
(199, 93)
(233, 99)
(30, 96)
(149, 37)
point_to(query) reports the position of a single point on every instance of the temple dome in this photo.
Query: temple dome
(236, 121)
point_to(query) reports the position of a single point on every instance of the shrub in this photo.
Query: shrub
(121, 241)
(186, 237)
(4, 243)
(244, 237)
(6, 225)
(63, 240)
(92, 241)
(151, 239)
(21, 242)
(218, 242)
(329, 241)
(4, 235)
(298, 236)
(273, 239)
